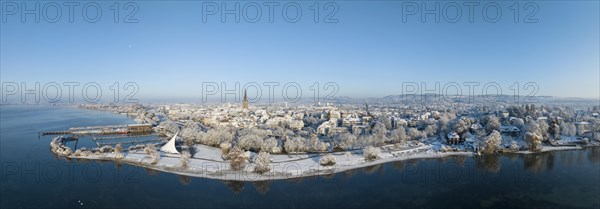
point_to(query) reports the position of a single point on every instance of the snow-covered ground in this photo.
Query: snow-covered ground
(208, 163)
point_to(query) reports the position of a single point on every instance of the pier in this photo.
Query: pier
(137, 129)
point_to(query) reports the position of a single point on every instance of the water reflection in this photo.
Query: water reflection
(235, 186)
(594, 155)
(261, 186)
(373, 169)
(185, 180)
(489, 163)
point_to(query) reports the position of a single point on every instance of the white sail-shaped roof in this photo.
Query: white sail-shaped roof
(169, 147)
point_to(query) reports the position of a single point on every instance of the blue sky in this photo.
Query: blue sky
(369, 52)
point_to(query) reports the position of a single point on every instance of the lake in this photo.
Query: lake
(32, 177)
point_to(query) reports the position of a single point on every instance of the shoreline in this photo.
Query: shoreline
(282, 166)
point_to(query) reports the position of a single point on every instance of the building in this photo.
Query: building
(453, 138)
(139, 128)
(245, 102)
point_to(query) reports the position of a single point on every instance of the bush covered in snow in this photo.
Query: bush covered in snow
(262, 163)
(225, 147)
(371, 153)
(237, 158)
(327, 160)
(118, 150)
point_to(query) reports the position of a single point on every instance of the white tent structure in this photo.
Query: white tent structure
(169, 147)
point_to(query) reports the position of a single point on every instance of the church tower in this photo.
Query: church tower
(245, 102)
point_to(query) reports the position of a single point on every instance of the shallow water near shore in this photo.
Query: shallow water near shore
(33, 177)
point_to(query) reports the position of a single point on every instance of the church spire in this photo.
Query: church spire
(245, 102)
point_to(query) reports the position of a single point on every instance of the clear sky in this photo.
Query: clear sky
(369, 52)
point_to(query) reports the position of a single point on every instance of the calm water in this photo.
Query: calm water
(32, 177)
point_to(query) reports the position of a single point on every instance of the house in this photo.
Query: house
(581, 127)
(509, 129)
(453, 138)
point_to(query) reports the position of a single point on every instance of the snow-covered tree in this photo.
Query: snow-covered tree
(544, 130)
(431, 129)
(250, 142)
(371, 153)
(169, 126)
(215, 137)
(225, 147)
(379, 130)
(154, 155)
(295, 144)
(460, 126)
(118, 150)
(262, 163)
(316, 145)
(346, 140)
(493, 123)
(237, 158)
(189, 135)
(518, 122)
(492, 142)
(387, 122)
(533, 136)
(327, 160)
(398, 135)
(414, 134)
(269, 144)
(184, 159)
(568, 129)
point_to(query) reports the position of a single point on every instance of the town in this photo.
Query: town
(275, 141)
